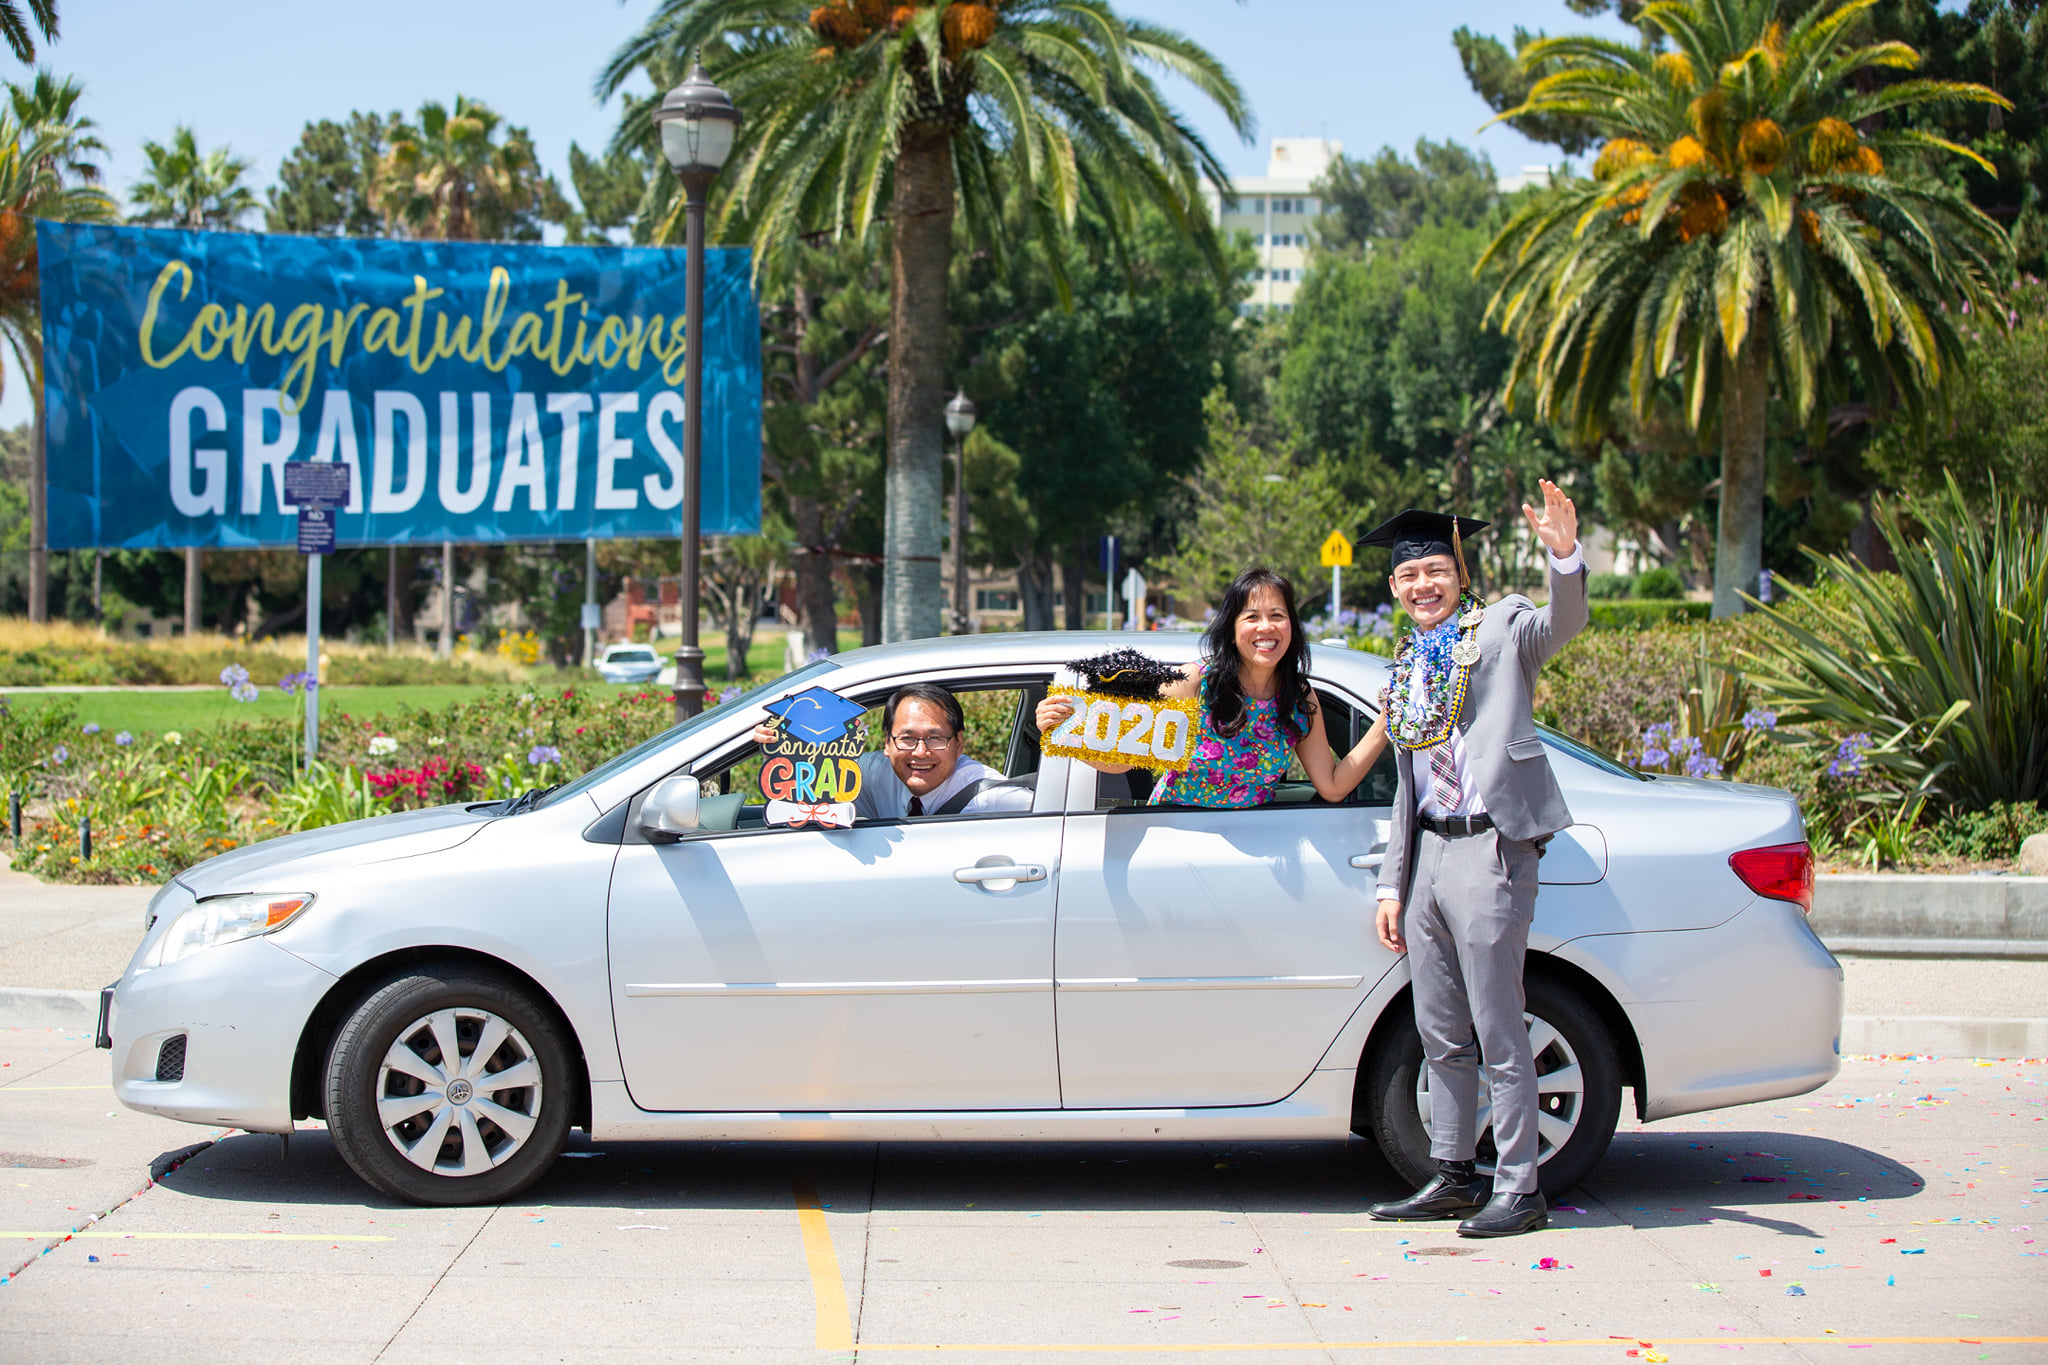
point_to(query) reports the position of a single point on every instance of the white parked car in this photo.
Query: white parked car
(636, 954)
(628, 664)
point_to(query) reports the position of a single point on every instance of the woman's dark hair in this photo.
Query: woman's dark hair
(1222, 684)
(925, 692)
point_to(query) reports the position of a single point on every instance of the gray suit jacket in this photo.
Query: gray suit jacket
(1502, 750)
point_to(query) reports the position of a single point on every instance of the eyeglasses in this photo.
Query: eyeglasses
(912, 743)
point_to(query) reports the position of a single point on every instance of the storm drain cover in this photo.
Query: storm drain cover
(1208, 1265)
(23, 1160)
(1441, 1251)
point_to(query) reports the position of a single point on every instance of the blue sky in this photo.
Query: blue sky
(251, 74)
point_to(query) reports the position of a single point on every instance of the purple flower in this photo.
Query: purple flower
(234, 675)
(543, 753)
(244, 690)
(1655, 758)
(1209, 748)
(1702, 765)
(292, 682)
(1247, 762)
(124, 739)
(91, 727)
(1760, 719)
(1262, 729)
(1238, 794)
(59, 754)
(1848, 760)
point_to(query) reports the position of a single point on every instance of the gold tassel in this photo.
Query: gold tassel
(1458, 549)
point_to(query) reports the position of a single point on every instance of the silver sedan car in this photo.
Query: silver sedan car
(628, 664)
(637, 954)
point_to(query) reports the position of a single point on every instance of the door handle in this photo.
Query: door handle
(1000, 872)
(1367, 860)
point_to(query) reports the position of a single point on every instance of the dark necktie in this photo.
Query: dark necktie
(917, 805)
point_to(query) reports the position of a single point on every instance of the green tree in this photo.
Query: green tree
(185, 187)
(452, 177)
(916, 114)
(1253, 505)
(326, 184)
(15, 26)
(1387, 198)
(51, 101)
(1739, 230)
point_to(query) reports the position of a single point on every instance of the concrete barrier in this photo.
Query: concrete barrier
(1906, 914)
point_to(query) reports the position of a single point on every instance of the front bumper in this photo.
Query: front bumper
(240, 1010)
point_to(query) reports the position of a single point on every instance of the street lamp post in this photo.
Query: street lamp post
(960, 418)
(697, 122)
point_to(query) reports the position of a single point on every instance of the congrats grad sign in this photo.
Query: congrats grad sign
(478, 392)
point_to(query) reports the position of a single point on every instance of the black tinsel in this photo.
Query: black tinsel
(1126, 673)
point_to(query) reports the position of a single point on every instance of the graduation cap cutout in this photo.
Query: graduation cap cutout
(815, 716)
(1415, 534)
(1125, 673)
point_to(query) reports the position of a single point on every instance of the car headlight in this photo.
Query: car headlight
(224, 919)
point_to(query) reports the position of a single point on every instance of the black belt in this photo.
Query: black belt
(1456, 826)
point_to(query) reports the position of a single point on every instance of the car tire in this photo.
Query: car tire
(1573, 1034)
(428, 1134)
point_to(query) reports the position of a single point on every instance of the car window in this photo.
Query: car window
(1344, 724)
(995, 716)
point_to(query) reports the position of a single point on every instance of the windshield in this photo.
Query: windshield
(675, 732)
(631, 656)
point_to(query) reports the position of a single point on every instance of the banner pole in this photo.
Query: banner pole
(589, 599)
(1336, 592)
(313, 562)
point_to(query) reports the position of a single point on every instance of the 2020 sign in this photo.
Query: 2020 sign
(1152, 732)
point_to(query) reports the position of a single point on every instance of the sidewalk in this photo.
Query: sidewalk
(60, 944)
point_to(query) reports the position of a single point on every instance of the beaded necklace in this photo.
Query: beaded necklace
(1443, 655)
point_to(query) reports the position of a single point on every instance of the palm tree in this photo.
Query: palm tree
(1746, 226)
(51, 101)
(42, 175)
(185, 187)
(450, 178)
(14, 26)
(911, 113)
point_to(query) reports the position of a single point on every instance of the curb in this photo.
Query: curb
(1937, 947)
(1946, 909)
(25, 1007)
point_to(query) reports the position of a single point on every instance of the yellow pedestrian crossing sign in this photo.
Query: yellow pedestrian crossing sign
(1336, 551)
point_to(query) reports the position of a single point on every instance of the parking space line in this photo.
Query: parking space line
(1460, 1344)
(828, 1290)
(203, 1236)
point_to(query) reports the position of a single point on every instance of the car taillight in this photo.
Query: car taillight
(1784, 872)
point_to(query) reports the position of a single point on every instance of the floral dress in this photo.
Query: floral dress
(1234, 770)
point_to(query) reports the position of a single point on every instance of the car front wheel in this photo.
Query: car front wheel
(449, 1086)
(1578, 1082)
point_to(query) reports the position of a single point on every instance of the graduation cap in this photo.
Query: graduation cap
(1417, 535)
(815, 716)
(1126, 673)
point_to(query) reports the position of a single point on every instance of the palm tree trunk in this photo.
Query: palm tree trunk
(913, 605)
(1739, 539)
(814, 592)
(39, 517)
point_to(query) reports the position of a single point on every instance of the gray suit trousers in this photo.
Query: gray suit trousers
(1467, 925)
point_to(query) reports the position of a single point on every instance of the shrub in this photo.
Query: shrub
(1944, 665)
(1636, 615)
(1658, 583)
(1990, 835)
(1608, 587)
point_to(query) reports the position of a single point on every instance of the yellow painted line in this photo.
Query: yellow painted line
(1190, 1348)
(204, 1236)
(835, 1326)
(7, 1089)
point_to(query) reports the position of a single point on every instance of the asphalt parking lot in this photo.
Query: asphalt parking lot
(1892, 1214)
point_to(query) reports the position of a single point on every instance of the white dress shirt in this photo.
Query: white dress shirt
(884, 797)
(1421, 760)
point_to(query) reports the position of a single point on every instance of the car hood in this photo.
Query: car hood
(296, 857)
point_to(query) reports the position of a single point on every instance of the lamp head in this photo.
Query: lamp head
(697, 122)
(960, 415)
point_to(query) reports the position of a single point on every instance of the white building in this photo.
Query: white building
(1278, 211)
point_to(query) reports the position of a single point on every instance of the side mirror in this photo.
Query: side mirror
(671, 810)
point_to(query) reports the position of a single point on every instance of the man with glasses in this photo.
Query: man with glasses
(921, 769)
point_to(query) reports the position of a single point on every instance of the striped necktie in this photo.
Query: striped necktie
(1443, 772)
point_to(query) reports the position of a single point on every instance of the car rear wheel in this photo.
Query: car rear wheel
(1578, 1074)
(449, 1086)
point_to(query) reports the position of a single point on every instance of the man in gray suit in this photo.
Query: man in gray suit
(1475, 805)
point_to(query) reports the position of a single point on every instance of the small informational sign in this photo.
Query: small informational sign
(593, 616)
(323, 485)
(1336, 551)
(811, 775)
(316, 531)
(1153, 732)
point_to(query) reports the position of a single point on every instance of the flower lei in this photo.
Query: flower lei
(1444, 654)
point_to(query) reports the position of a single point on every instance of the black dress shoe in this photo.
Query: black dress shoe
(1507, 1214)
(1455, 1189)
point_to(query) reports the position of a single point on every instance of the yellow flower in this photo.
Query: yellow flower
(1620, 154)
(1677, 68)
(1762, 145)
(1685, 153)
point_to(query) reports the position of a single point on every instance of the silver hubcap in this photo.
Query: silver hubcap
(458, 1092)
(1560, 1095)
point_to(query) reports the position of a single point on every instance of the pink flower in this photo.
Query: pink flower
(1262, 729)
(1209, 748)
(1247, 762)
(1239, 793)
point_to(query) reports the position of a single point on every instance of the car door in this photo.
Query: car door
(1209, 957)
(895, 965)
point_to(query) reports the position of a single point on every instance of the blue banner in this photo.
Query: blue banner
(478, 392)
